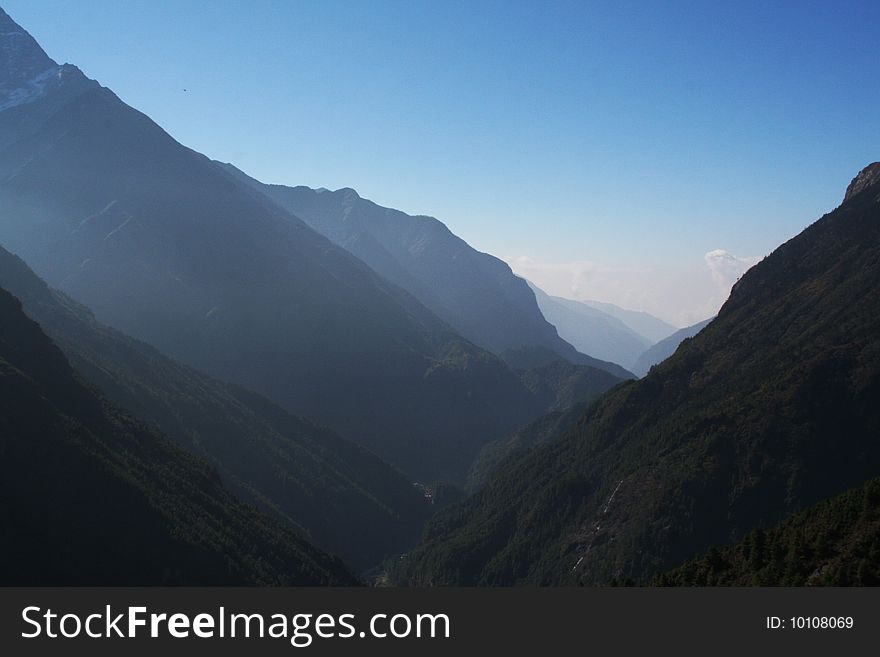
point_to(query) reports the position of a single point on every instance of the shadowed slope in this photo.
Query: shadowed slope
(773, 407)
(343, 497)
(90, 496)
(162, 244)
(662, 350)
(475, 293)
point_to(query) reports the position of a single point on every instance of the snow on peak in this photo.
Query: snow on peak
(32, 89)
(21, 58)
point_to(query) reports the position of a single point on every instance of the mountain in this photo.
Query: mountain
(162, 244)
(592, 331)
(835, 543)
(662, 350)
(546, 428)
(565, 390)
(26, 71)
(475, 293)
(340, 496)
(649, 327)
(770, 409)
(89, 495)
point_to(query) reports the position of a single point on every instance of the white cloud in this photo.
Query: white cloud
(681, 295)
(577, 278)
(726, 268)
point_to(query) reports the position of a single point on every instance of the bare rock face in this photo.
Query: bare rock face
(867, 177)
(22, 58)
(25, 69)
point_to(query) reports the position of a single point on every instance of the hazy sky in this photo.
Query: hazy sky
(641, 153)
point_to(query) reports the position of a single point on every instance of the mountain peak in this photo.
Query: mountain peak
(25, 68)
(6, 21)
(868, 177)
(348, 193)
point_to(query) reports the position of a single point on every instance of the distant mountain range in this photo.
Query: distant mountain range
(659, 352)
(649, 327)
(166, 246)
(91, 496)
(770, 409)
(607, 331)
(595, 331)
(207, 380)
(475, 293)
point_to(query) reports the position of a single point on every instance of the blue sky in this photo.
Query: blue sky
(624, 138)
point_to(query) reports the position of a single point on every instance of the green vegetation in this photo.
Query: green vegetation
(495, 454)
(561, 387)
(835, 543)
(339, 495)
(90, 496)
(772, 408)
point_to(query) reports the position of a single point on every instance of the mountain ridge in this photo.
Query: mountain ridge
(107, 207)
(663, 349)
(771, 408)
(340, 496)
(592, 330)
(645, 324)
(474, 292)
(91, 496)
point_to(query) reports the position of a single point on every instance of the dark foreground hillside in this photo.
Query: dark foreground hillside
(772, 408)
(90, 496)
(835, 543)
(339, 495)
